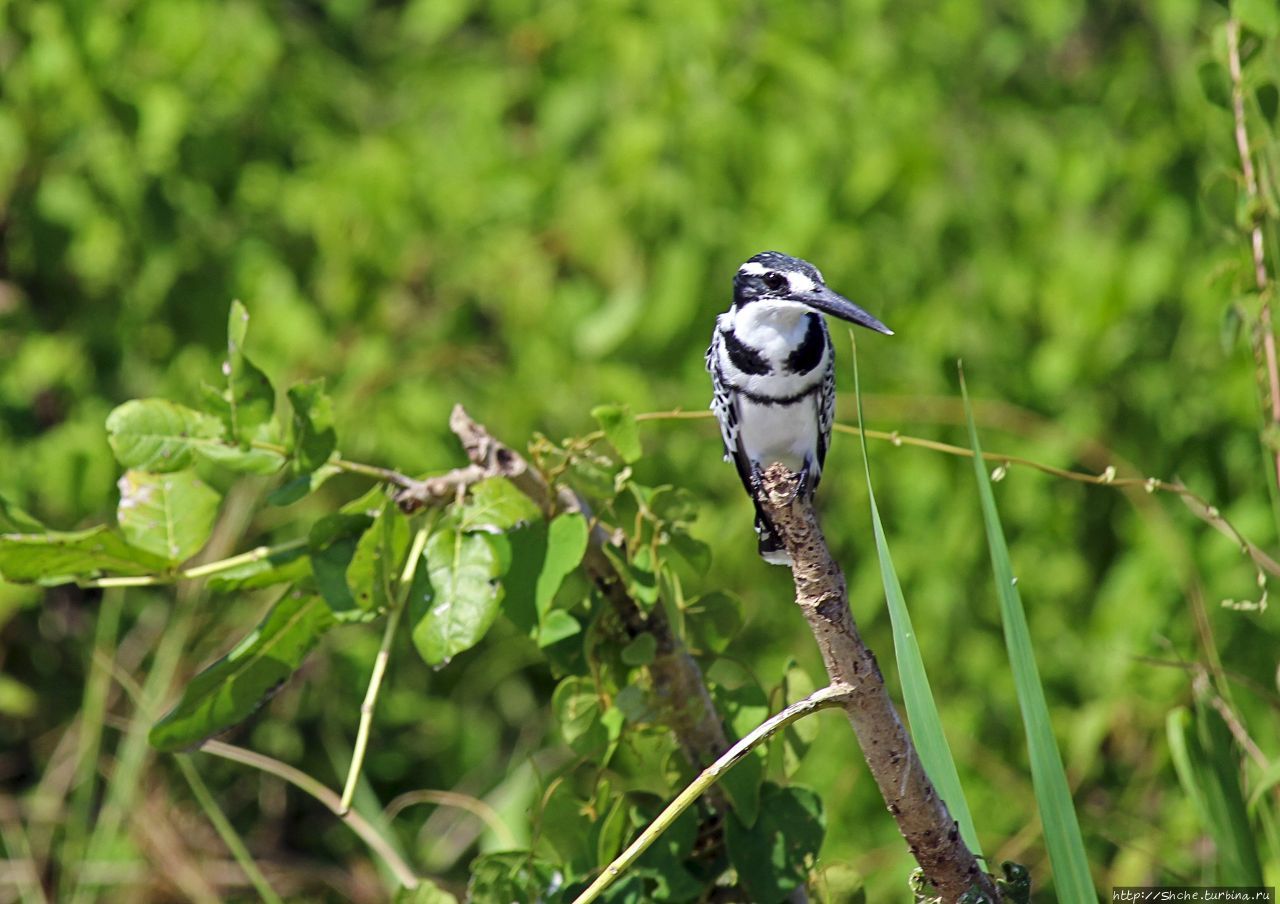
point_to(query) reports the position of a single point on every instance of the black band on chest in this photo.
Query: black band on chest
(743, 356)
(808, 353)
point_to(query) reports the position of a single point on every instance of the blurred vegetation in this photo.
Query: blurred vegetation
(535, 208)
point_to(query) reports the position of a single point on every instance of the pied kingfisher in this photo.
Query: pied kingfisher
(773, 369)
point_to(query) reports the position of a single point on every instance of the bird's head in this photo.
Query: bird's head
(783, 281)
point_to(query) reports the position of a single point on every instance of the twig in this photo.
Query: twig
(821, 594)
(1199, 506)
(1267, 360)
(380, 668)
(473, 805)
(230, 837)
(197, 571)
(300, 780)
(835, 695)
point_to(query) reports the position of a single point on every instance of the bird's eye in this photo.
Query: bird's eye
(775, 281)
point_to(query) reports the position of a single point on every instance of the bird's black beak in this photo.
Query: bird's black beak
(835, 304)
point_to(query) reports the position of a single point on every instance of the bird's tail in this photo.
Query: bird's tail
(771, 548)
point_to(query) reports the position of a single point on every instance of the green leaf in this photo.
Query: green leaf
(713, 620)
(742, 784)
(773, 857)
(426, 893)
(566, 545)
(509, 876)
(495, 505)
(171, 515)
(14, 519)
(332, 542)
(245, 399)
(160, 436)
(799, 735)
(243, 459)
(578, 711)
(922, 711)
(1259, 16)
(557, 626)
(228, 691)
(619, 426)
(291, 491)
(463, 596)
(640, 651)
(1071, 875)
(282, 567)
(374, 566)
(314, 437)
(60, 557)
(664, 861)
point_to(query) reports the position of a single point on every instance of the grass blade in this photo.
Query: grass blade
(1053, 796)
(922, 712)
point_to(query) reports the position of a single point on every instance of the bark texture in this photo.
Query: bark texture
(821, 594)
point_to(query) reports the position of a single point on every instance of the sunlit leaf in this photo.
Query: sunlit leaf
(60, 557)
(160, 436)
(557, 626)
(578, 710)
(171, 515)
(496, 505)
(566, 545)
(619, 426)
(228, 691)
(463, 597)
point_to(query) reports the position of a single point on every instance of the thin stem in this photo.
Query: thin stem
(25, 874)
(473, 805)
(1268, 358)
(380, 668)
(835, 695)
(198, 571)
(230, 837)
(303, 782)
(1199, 506)
(387, 475)
(96, 690)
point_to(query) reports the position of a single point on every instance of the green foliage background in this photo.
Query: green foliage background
(535, 208)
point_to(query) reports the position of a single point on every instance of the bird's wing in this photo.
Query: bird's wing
(724, 402)
(826, 402)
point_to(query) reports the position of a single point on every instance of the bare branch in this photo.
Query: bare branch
(821, 594)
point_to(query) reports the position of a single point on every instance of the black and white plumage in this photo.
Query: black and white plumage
(773, 369)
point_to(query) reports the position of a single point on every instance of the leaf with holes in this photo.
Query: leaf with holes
(61, 557)
(452, 613)
(171, 515)
(228, 692)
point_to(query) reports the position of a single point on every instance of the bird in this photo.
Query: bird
(773, 371)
